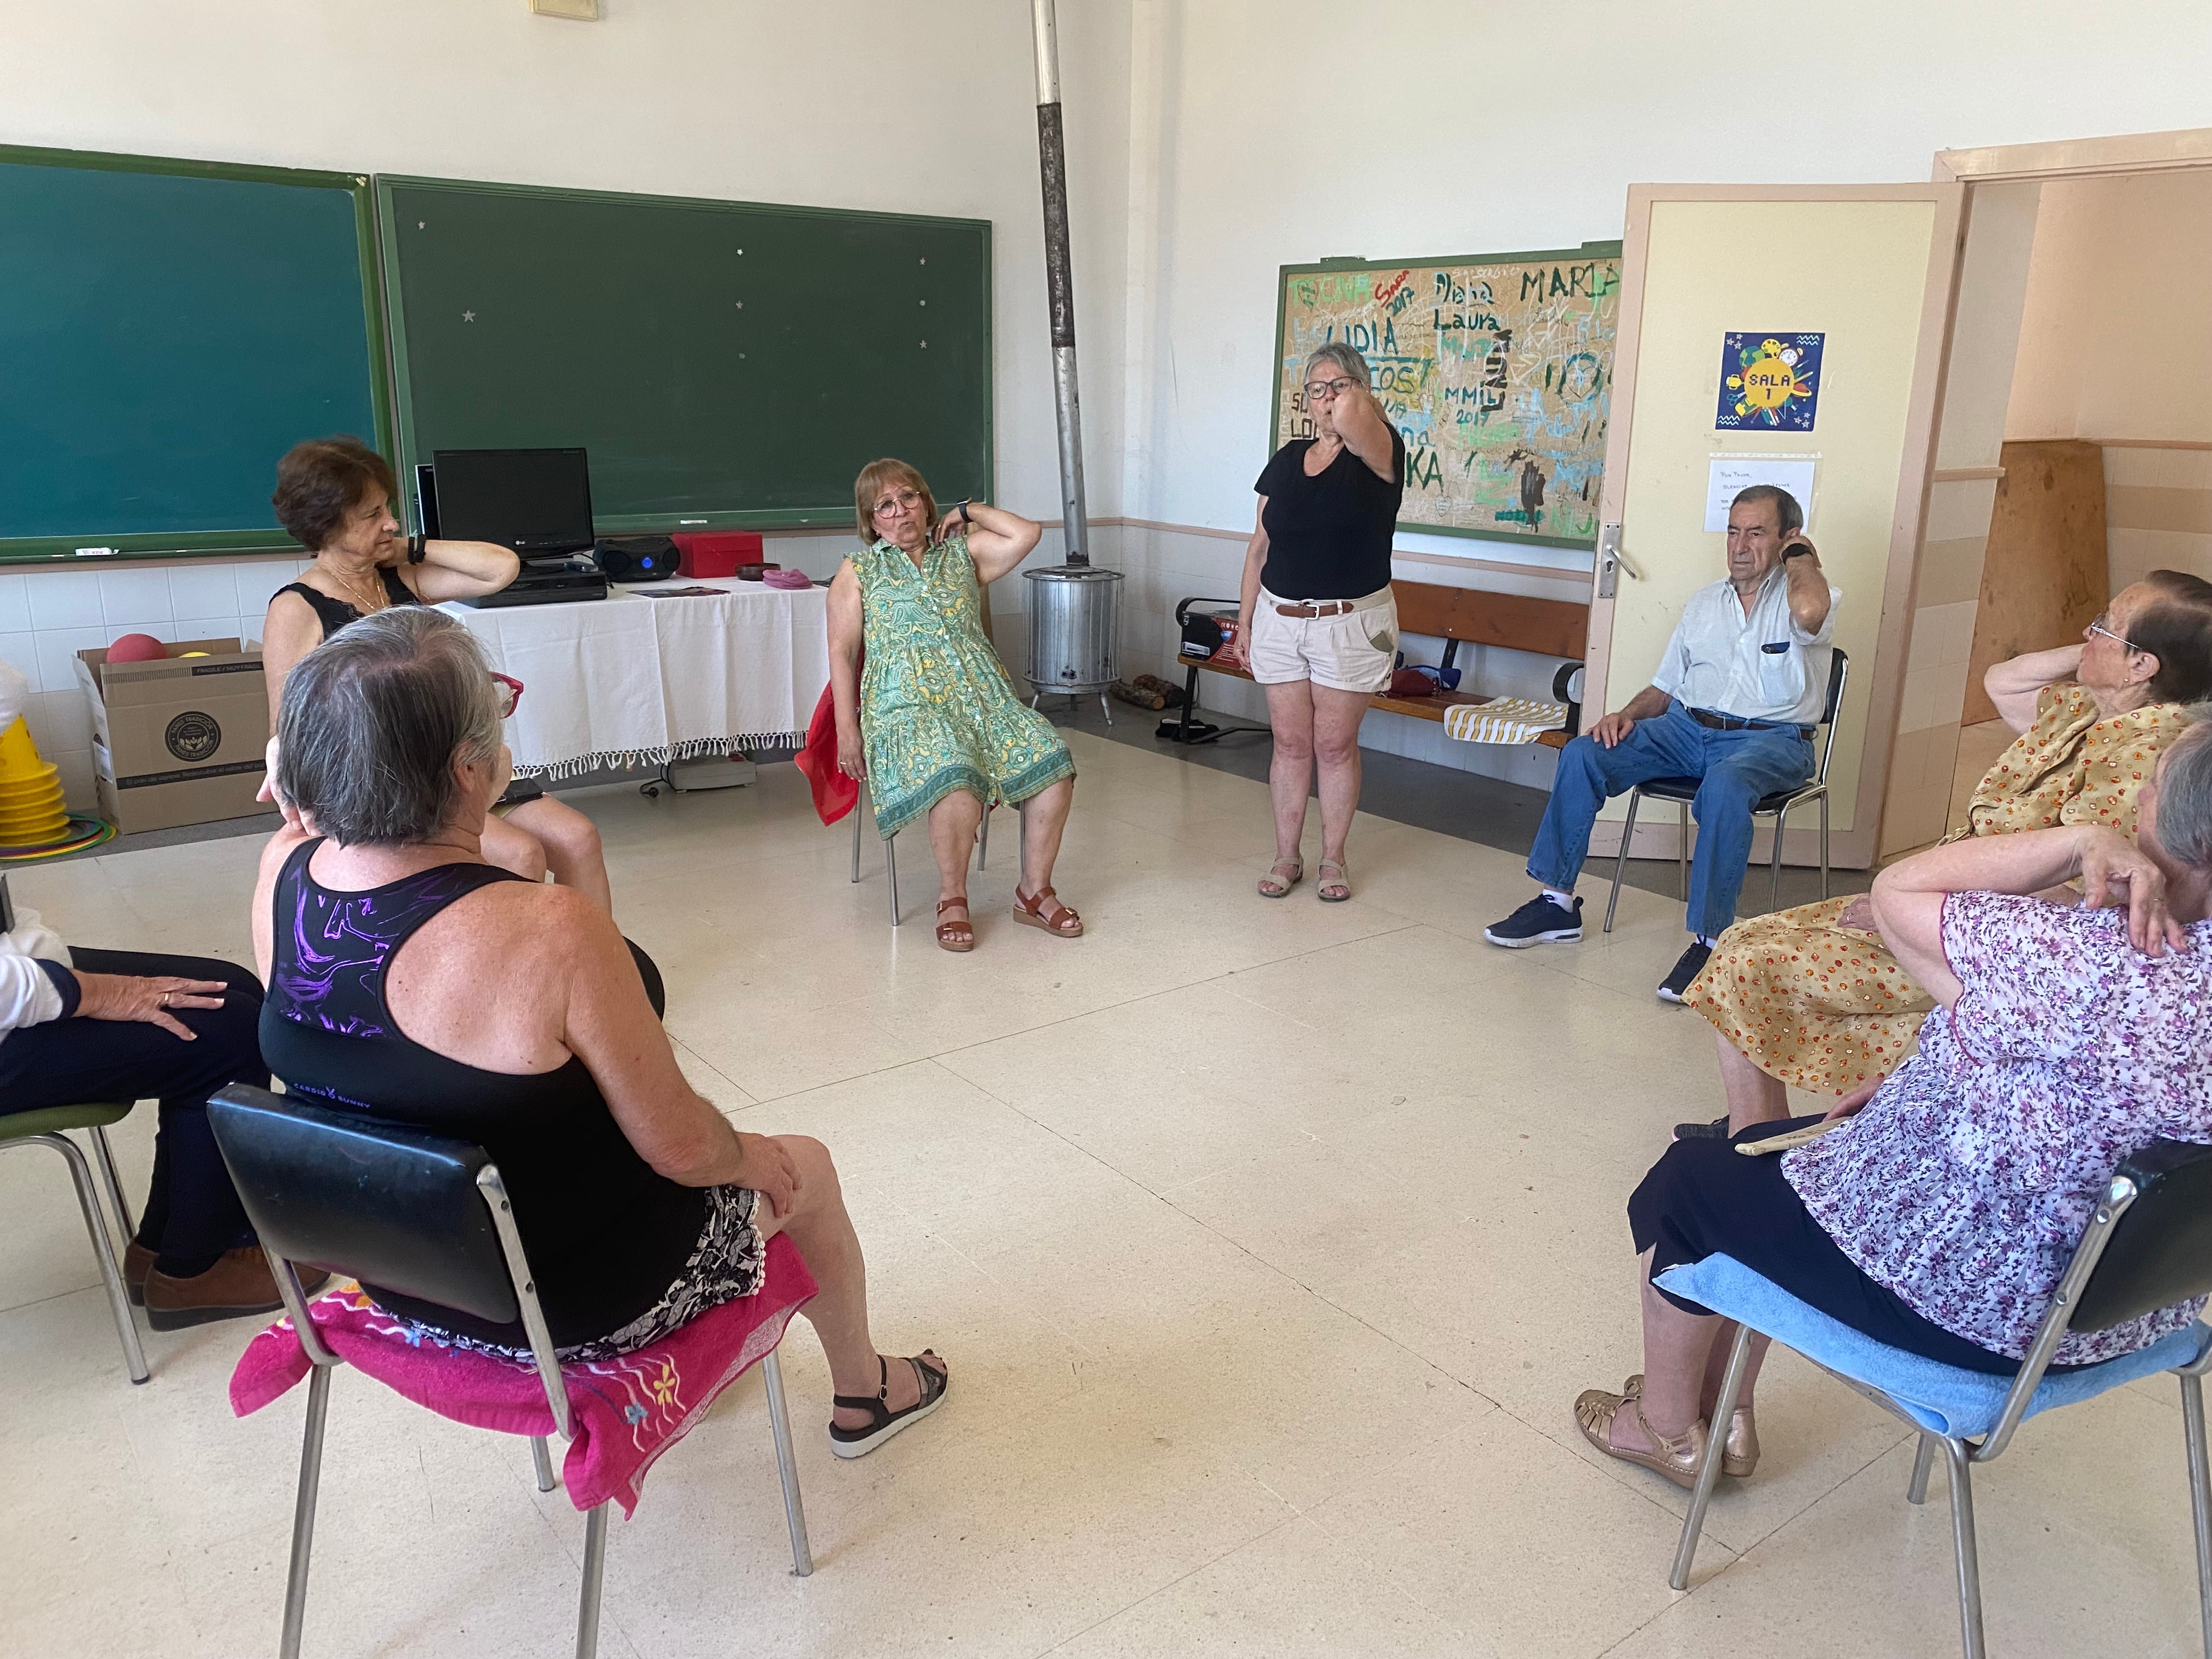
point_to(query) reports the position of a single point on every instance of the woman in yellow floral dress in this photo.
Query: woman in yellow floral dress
(925, 712)
(1811, 997)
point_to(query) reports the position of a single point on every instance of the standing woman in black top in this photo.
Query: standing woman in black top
(1317, 624)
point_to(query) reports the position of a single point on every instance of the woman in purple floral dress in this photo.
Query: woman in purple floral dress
(1940, 1219)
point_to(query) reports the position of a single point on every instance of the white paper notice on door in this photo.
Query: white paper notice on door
(1732, 474)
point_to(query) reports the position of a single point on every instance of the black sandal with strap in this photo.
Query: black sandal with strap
(885, 1423)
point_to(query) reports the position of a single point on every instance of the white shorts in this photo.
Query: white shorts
(1353, 651)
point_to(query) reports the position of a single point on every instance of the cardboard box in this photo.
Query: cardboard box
(178, 740)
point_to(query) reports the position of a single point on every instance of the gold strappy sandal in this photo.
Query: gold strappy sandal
(1678, 1454)
(1740, 1455)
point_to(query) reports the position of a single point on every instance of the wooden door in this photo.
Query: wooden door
(1868, 269)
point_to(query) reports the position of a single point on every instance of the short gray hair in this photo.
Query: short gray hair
(1344, 357)
(1788, 515)
(2185, 791)
(372, 722)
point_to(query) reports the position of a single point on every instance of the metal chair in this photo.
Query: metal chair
(2147, 1245)
(45, 1127)
(427, 1217)
(890, 856)
(1778, 805)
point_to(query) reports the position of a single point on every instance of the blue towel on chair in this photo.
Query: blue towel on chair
(1941, 1398)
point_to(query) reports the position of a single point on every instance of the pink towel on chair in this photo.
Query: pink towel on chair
(627, 1411)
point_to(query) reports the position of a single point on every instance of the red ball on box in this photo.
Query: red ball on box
(138, 648)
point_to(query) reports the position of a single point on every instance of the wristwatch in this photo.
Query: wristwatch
(1796, 550)
(417, 546)
(964, 519)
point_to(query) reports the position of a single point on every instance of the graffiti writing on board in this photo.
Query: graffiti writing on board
(1497, 372)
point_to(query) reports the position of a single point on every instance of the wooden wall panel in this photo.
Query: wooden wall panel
(2044, 576)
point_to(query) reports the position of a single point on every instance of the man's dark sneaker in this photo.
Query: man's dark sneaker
(1693, 963)
(1716, 1130)
(1541, 921)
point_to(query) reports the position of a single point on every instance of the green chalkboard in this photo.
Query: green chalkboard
(724, 363)
(167, 330)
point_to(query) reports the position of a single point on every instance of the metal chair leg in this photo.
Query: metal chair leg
(1620, 864)
(1962, 1537)
(1709, 1467)
(2200, 1496)
(891, 864)
(303, 1511)
(1774, 888)
(1824, 843)
(857, 807)
(1922, 1460)
(983, 841)
(595, 1573)
(114, 1182)
(1682, 853)
(541, 1460)
(103, 1248)
(1106, 707)
(787, 1467)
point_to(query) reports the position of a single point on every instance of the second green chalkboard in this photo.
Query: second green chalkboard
(726, 363)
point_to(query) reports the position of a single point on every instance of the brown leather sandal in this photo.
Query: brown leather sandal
(948, 932)
(1059, 920)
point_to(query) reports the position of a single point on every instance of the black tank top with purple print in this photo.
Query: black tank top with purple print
(606, 1235)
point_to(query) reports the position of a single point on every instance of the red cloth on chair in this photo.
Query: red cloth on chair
(835, 794)
(627, 1411)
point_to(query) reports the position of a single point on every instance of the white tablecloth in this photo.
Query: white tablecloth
(631, 681)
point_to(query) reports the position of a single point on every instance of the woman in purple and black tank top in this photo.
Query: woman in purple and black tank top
(413, 982)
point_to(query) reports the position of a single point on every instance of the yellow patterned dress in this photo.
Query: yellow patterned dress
(938, 711)
(1825, 1007)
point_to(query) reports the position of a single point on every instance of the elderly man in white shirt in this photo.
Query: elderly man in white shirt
(1733, 705)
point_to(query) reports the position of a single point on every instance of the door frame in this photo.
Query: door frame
(1852, 848)
(2076, 158)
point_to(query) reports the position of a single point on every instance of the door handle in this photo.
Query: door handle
(1611, 560)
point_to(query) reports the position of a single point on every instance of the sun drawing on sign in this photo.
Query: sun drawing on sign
(1766, 379)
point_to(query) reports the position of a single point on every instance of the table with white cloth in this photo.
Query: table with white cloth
(631, 681)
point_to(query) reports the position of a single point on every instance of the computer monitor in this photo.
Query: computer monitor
(537, 502)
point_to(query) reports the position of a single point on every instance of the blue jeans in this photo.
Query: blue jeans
(1735, 769)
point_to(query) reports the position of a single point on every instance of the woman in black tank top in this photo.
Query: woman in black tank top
(335, 495)
(415, 983)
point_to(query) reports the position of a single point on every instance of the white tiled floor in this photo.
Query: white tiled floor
(1269, 1242)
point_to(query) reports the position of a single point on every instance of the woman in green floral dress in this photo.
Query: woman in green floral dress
(927, 715)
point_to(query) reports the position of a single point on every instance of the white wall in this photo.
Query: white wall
(1293, 129)
(1287, 131)
(872, 104)
(2117, 326)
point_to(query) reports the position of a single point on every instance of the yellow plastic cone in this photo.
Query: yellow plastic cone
(34, 816)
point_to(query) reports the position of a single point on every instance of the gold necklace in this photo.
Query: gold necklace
(353, 596)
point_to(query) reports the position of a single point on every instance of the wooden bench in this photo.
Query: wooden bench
(1457, 616)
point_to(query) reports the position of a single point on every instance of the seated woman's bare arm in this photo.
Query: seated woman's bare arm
(2014, 685)
(611, 1028)
(289, 630)
(460, 570)
(998, 540)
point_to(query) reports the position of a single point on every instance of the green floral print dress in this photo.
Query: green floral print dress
(938, 709)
